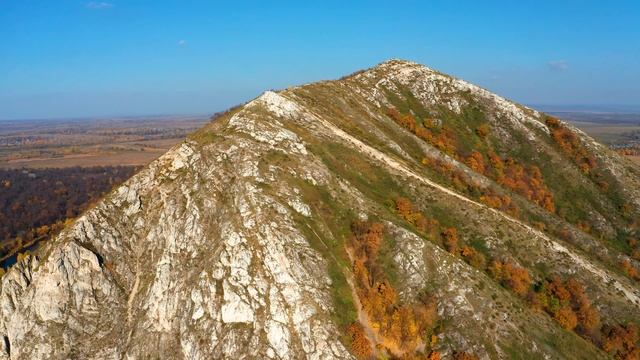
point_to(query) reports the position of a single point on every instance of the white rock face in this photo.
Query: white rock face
(433, 89)
(234, 309)
(188, 259)
(208, 253)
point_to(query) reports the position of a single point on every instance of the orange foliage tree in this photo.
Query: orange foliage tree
(621, 341)
(566, 318)
(483, 130)
(630, 270)
(476, 162)
(473, 257)
(528, 181)
(445, 140)
(500, 202)
(513, 277)
(402, 326)
(450, 239)
(567, 302)
(404, 207)
(407, 211)
(571, 145)
(359, 343)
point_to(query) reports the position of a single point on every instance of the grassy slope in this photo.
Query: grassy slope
(486, 232)
(378, 188)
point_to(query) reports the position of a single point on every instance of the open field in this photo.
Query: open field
(50, 171)
(608, 128)
(611, 133)
(91, 142)
(620, 131)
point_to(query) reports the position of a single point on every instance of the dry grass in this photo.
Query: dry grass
(634, 158)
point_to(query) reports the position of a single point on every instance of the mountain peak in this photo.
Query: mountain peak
(398, 62)
(397, 212)
(394, 67)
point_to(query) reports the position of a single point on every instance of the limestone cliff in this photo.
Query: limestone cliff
(231, 245)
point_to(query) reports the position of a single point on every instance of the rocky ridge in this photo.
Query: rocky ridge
(224, 247)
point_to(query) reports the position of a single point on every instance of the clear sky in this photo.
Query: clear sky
(64, 58)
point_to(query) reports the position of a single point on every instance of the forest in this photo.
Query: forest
(35, 203)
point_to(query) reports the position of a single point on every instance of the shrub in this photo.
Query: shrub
(483, 130)
(450, 239)
(566, 318)
(511, 276)
(360, 345)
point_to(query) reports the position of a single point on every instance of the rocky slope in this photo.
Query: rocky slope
(235, 244)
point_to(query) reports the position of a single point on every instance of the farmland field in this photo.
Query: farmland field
(53, 170)
(91, 142)
(619, 131)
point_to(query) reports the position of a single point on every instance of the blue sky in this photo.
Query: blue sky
(102, 58)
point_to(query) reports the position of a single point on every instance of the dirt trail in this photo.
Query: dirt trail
(372, 334)
(632, 295)
(363, 318)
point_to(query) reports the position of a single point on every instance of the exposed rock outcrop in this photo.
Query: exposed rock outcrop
(219, 249)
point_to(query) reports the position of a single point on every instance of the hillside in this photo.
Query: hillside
(395, 213)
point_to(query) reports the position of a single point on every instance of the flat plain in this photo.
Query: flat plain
(135, 141)
(620, 131)
(91, 142)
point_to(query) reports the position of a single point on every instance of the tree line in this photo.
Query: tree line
(35, 203)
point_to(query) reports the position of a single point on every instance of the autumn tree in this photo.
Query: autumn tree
(426, 311)
(553, 122)
(404, 207)
(571, 145)
(360, 345)
(400, 325)
(566, 317)
(588, 317)
(621, 341)
(557, 288)
(630, 270)
(513, 277)
(450, 239)
(473, 257)
(517, 278)
(367, 239)
(567, 302)
(406, 210)
(34, 202)
(476, 162)
(444, 140)
(483, 130)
